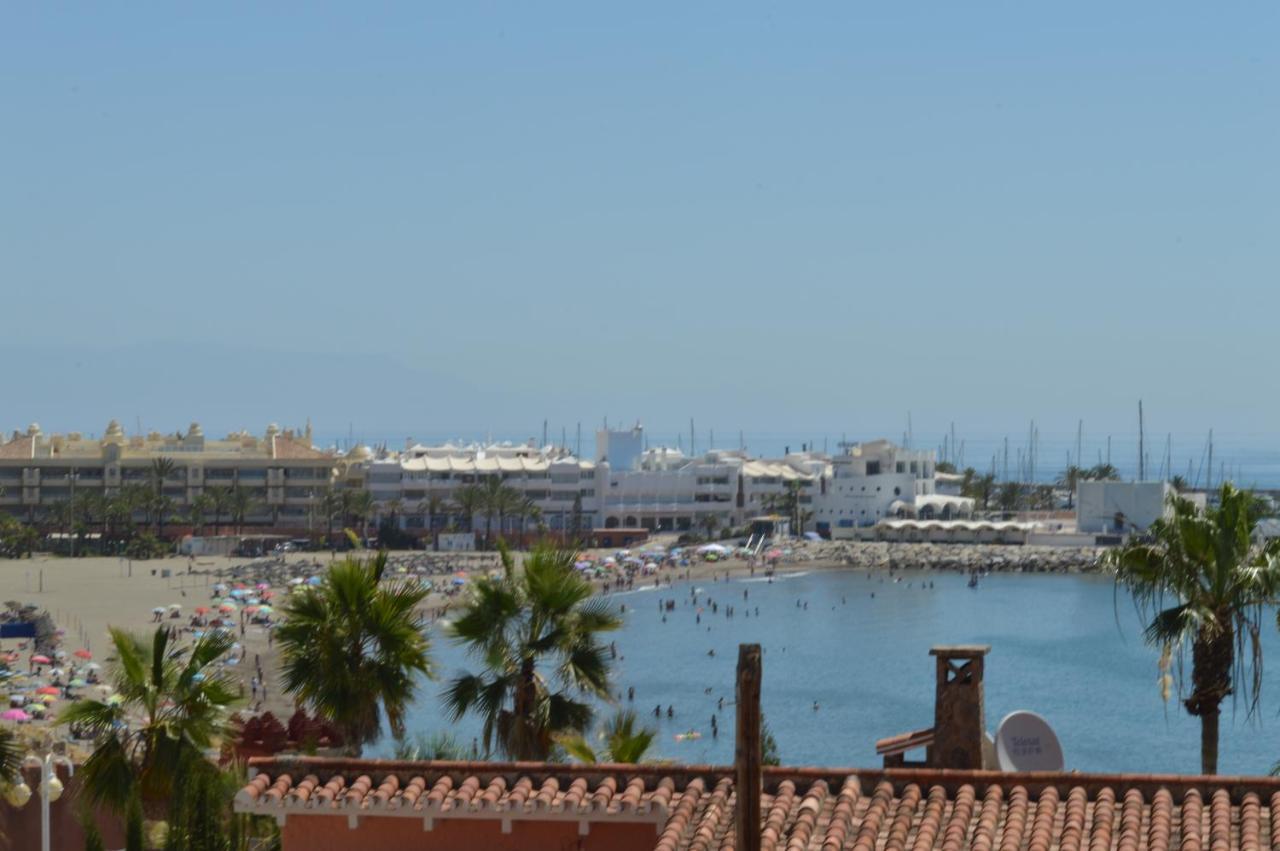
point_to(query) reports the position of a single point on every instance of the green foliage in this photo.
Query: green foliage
(92, 836)
(352, 649)
(1201, 583)
(181, 696)
(625, 742)
(769, 753)
(536, 634)
(199, 811)
(437, 746)
(133, 837)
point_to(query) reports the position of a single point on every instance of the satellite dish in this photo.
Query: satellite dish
(1026, 742)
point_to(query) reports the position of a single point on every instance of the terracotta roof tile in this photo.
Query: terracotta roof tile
(692, 808)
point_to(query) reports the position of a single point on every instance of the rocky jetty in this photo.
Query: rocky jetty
(875, 555)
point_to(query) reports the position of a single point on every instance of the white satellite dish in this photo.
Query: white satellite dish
(1026, 742)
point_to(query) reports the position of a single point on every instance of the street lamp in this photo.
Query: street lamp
(19, 794)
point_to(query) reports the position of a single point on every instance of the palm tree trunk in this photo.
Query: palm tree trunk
(1212, 660)
(1209, 741)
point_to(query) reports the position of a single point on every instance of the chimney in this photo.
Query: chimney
(959, 719)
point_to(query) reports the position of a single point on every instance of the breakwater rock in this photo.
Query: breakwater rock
(875, 555)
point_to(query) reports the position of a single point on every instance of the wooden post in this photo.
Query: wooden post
(747, 752)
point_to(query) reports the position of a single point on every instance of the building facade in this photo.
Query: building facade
(282, 472)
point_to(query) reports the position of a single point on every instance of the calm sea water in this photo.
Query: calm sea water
(1063, 646)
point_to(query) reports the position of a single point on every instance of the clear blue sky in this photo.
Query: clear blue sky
(791, 218)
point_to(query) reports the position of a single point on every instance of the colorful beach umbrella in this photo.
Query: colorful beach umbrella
(83, 654)
(15, 715)
(41, 659)
(48, 690)
(201, 610)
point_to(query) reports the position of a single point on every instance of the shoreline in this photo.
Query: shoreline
(86, 595)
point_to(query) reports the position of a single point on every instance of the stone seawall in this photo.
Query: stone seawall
(874, 555)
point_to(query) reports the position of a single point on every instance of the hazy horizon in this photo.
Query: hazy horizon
(801, 222)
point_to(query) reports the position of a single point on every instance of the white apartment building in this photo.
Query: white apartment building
(877, 480)
(425, 480)
(662, 490)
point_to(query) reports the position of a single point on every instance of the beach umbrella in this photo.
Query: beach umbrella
(202, 610)
(265, 610)
(48, 698)
(158, 610)
(115, 700)
(220, 587)
(15, 715)
(78, 683)
(48, 690)
(314, 580)
(297, 580)
(59, 654)
(56, 672)
(459, 580)
(38, 708)
(93, 666)
(175, 607)
(83, 654)
(262, 586)
(40, 660)
(267, 595)
(250, 609)
(227, 608)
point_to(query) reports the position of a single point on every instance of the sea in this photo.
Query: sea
(846, 662)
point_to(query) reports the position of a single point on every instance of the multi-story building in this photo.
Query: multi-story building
(877, 480)
(281, 470)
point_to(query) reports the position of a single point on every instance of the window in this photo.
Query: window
(873, 468)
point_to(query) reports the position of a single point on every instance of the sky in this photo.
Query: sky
(797, 220)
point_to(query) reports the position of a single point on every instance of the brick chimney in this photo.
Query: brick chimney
(959, 719)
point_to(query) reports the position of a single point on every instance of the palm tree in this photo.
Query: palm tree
(358, 505)
(239, 503)
(493, 491)
(1179, 484)
(331, 504)
(10, 757)
(393, 507)
(1101, 473)
(469, 501)
(173, 702)
(534, 631)
(709, 522)
(161, 469)
(352, 649)
(1201, 582)
(1069, 479)
(625, 742)
(200, 508)
(220, 502)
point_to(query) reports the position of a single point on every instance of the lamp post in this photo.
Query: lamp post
(50, 790)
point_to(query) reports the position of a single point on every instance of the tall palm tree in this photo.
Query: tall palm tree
(710, 523)
(200, 508)
(220, 504)
(161, 469)
(626, 741)
(1069, 479)
(353, 649)
(330, 504)
(469, 501)
(173, 702)
(537, 634)
(240, 503)
(494, 495)
(1203, 583)
(358, 505)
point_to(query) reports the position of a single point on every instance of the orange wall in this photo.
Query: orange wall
(330, 833)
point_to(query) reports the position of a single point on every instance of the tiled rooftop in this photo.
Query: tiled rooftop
(692, 807)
